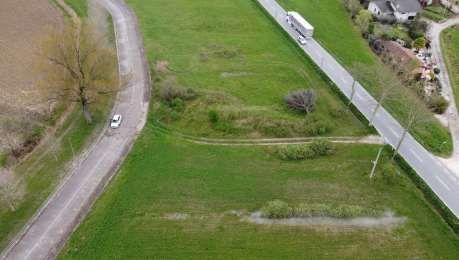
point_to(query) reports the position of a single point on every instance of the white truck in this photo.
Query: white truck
(300, 24)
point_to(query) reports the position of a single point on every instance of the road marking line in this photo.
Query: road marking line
(452, 177)
(416, 155)
(442, 183)
(393, 131)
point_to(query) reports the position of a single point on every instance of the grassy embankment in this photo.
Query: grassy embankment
(44, 167)
(335, 31)
(450, 47)
(173, 199)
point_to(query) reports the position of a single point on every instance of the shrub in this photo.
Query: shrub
(317, 128)
(293, 152)
(170, 90)
(177, 104)
(322, 148)
(303, 152)
(362, 20)
(352, 6)
(438, 104)
(276, 209)
(419, 43)
(301, 100)
(305, 210)
(213, 116)
(417, 28)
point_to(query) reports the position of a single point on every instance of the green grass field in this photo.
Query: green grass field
(450, 47)
(163, 175)
(335, 31)
(80, 7)
(241, 57)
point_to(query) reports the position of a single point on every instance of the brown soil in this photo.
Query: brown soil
(24, 23)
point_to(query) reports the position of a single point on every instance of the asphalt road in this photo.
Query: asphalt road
(440, 179)
(434, 33)
(46, 233)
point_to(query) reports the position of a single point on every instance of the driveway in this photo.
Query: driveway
(48, 230)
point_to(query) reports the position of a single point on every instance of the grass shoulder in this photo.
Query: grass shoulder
(450, 48)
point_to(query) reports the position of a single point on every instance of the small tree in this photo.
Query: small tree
(416, 115)
(438, 104)
(419, 43)
(301, 100)
(384, 79)
(77, 66)
(353, 6)
(362, 20)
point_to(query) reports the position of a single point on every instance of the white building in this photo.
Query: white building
(400, 10)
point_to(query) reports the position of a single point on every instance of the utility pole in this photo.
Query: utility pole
(375, 162)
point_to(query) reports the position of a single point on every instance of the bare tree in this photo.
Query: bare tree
(301, 100)
(10, 190)
(415, 116)
(385, 80)
(77, 66)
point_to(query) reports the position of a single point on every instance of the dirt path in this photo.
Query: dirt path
(371, 139)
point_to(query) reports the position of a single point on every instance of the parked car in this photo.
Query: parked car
(116, 121)
(301, 40)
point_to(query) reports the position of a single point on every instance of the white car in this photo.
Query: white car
(301, 40)
(116, 121)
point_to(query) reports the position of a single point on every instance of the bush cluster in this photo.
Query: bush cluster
(303, 152)
(278, 209)
(438, 104)
(170, 92)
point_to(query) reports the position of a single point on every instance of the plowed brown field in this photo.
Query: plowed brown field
(22, 25)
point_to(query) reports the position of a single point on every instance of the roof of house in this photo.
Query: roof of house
(407, 5)
(400, 5)
(384, 6)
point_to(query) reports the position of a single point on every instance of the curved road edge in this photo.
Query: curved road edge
(50, 227)
(434, 33)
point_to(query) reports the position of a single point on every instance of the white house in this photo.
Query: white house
(400, 10)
